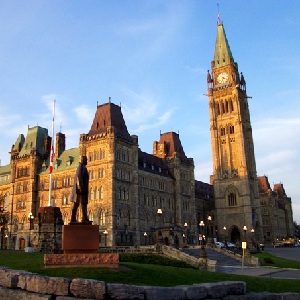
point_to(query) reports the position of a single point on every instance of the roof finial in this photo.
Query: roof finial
(109, 99)
(219, 18)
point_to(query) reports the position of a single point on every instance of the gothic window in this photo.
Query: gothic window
(64, 200)
(232, 199)
(226, 106)
(231, 129)
(217, 109)
(223, 131)
(124, 194)
(97, 193)
(102, 218)
(101, 173)
(231, 105)
(101, 192)
(223, 108)
(25, 187)
(120, 193)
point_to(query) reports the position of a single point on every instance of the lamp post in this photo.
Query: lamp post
(209, 237)
(245, 230)
(159, 214)
(105, 237)
(186, 232)
(244, 247)
(224, 228)
(145, 236)
(30, 219)
(202, 251)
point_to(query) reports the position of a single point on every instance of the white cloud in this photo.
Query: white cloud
(144, 111)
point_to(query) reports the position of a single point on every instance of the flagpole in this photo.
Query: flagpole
(51, 158)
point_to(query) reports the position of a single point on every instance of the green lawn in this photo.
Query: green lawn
(144, 270)
(267, 259)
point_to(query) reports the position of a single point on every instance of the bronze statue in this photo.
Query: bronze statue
(80, 192)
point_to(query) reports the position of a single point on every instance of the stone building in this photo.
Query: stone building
(134, 196)
(137, 198)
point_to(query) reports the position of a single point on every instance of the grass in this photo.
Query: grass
(267, 259)
(144, 270)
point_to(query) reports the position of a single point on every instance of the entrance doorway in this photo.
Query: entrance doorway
(21, 244)
(235, 236)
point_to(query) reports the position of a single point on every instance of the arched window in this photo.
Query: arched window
(231, 129)
(101, 192)
(102, 218)
(232, 199)
(231, 105)
(223, 131)
(226, 106)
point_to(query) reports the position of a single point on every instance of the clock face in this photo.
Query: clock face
(222, 77)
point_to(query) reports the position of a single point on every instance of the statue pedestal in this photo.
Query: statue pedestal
(80, 238)
(80, 243)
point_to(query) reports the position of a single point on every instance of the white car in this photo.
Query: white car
(230, 245)
(219, 244)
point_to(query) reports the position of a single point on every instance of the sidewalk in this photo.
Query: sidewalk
(270, 272)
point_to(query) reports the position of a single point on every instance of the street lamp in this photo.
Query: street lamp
(105, 236)
(145, 235)
(202, 252)
(30, 219)
(209, 218)
(224, 228)
(186, 232)
(245, 230)
(244, 247)
(159, 213)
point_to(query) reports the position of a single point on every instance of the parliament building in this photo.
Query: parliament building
(137, 197)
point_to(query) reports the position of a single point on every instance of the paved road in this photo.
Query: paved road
(229, 265)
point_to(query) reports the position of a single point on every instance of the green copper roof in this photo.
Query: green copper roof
(19, 142)
(34, 140)
(4, 171)
(69, 159)
(222, 49)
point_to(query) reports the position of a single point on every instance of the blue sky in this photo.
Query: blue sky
(152, 57)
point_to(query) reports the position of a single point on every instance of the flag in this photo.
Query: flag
(51, 159)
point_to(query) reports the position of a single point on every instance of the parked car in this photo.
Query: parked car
(231, 245)
(219, 244)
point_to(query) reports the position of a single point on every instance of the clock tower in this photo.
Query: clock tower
(234, 169)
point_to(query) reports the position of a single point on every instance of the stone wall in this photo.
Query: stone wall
(200, 263)
(15, 284)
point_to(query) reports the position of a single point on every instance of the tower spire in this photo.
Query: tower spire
(223, 55)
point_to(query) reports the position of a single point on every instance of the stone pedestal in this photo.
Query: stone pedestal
(80, 243)
(80, 238)
(90, 260)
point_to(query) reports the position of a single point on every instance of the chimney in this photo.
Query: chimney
(60, 145)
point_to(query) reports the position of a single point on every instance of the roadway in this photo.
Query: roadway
(229, 265)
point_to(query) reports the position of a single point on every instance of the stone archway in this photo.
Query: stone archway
(235, 235)
(21, 244)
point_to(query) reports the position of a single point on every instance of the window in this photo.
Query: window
(231, 129)
(223, 131)
(101, 192)
(232, 199)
